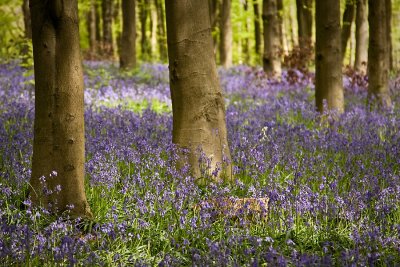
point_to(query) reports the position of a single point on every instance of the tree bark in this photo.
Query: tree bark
(348, 17)
(162, 38)
(91, 28)
(153, 30)
(99, 39)
(282, 32)
(272, 41)
(59, 140)
(257, 27)
(214, 21)
(361, 58)
(144, 42)
(225, 49)
(246, 43)
(27, 19)
(388, 4)
(108, 47)
(304, 21)
(197, 102)
(328, 61)
(128, 39)
(378, 60)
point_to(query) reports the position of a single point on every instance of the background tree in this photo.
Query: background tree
(304, 21)
(257, 27)
(348, 17)
(162, 38)
(328, 60)
(225, 48)
(378, 59)
(144, 11)
(59, 140)
(388, 6)
(272, 40)
(108, 47)
(91, 28)
(27, 19)
(361, 57)
(128, 39)
(197, 102)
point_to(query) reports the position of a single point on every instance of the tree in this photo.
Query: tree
(378, 59)
(59, 140)
(388, 6)
(27, 19)
(348, 17)
(272, 41)
(213, 4)
(225, 48)
(91, 27)
(257, 27)
(304, 21)
(328, 60)
(162, 42)
(361, 58)
(197, 102)
(128, 39)
(144, 10)
(108, 47)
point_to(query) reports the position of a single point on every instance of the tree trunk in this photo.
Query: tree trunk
(328, 61)
(361, 59)
(59, 140)
(108, 48)
(282, 32)
(99, 40)
(304, 21)
(348, 17)
(197, 102)
(246, 43)
(91, 28)
(153, 28)
(378, 65)
(162, 39)
(225, 49)
(27, 19)
(272, 42)
(257, 27)
(144, 42)
(388, 4)
(128, 39)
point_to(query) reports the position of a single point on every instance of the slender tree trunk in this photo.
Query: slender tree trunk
(246, 43)
(225, 49)
(153, 28)
(348, 17)
(282, 32)
(304, 21)
(197, 101)
(378, 65)
(272, 42)
(99, 39)
(328, 61)
(214, 20)
(27, 19)
(162, 38)
(108, 47)
(91, 28)
(388, 4)
(59, 140)
(144, 42)
(361, 58)
(292, 30)
(257, 27)
(128, 39)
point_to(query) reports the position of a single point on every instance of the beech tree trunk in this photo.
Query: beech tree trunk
(153, 31)
(108, 47)
(99, 40)
(348, 17)
(361, 58)
(388, 4)
(59, 140)
(214, 22)
(304, 21)
(128, 40)
(282, 30)
(246, 43)
(225, 49)
(378, 59)
(91, 28)
(27, 19)
(257, 27)
(162, 38)
(328, 59)
(197, 102)
(272, 41)
(144, 41)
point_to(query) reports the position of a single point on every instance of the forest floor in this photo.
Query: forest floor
(333, 185)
